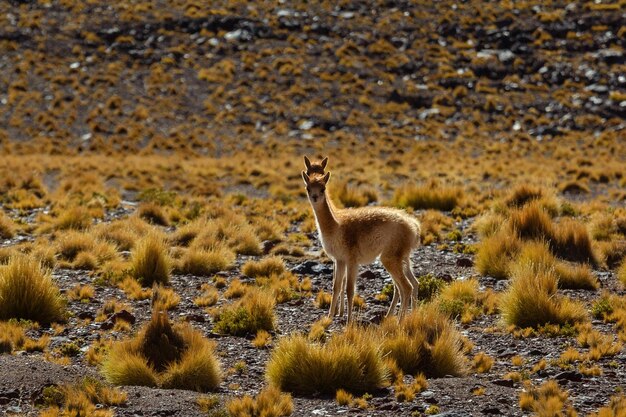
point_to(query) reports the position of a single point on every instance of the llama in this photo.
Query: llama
(353, 237)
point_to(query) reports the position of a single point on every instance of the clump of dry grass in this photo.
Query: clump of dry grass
(272, 265)
(270, 402)
(350, 196)
(429, 196)
(571, 241)
(88, 398)
(27, 292)
(71, 243)
(621, 273)
(164, 298)
(13, 337)
(153, 214)
(546, 400)
(7, 226)
(82, 293)
(75, 218)
(164, 355)
(253, 312)
(615, 408)
(134, 290)
(209, 296)
(482, 363)
(150, 263)
(523, 194)
(531, 299)
(424, 341)
(205, 262)
(495, 254)
(531, 222)
(351, 360)
(432, 223)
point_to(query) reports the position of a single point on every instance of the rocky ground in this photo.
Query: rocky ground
(23, 376)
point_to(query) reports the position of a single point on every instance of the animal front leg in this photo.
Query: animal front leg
(341, 275)
(337, 287)
(394, 300)
(351, 271)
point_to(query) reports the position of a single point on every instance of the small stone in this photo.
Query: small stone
(464, 262)
(573, 376)
(504, 383)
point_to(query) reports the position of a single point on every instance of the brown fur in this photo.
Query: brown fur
(353, 237)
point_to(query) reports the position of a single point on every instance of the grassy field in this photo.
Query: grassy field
(158, 252)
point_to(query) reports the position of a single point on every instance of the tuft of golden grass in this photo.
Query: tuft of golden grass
(424, 341)
(82, 293)
(153, 214)
(482, 363)
(236, 289)
(269, 402)
(318, 329)
(205, 262)
(495, 254)
(531, 222)
(531, 299)
(134, 290)
(523, 194)
(13, 337)
(615, 408)
(272, 265)
(428, 196)
(87, 398)
(621, 273)
(351, 360)
(27, 292)
(71, 243)
(164, 298)
(149, 260)
(572, 242)
(546, 400)
(323, 299)
(253, 312)
(343, 397)
(7, 226)
(74, 218)
(209, 296)
(164, 355)
(262, 339)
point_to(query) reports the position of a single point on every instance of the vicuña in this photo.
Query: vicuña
(353, 237)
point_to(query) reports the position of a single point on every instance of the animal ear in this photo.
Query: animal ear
(307, 162)
(306, 178)
(324, 162)
(326, 177)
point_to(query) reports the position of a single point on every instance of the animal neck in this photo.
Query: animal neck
(325, 216)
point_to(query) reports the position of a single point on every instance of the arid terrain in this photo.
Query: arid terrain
(159, 256)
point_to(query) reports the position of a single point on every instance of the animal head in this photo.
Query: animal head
(316, 186)
(315, 167)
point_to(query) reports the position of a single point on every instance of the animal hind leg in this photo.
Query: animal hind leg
(401, 283)
(408, 272)
(351, 272)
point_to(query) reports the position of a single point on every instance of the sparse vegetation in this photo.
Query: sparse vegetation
(254, 312)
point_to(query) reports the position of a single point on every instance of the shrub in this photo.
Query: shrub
(272, 265)
(27, 292)
(270, 402)
(350, 360)
(253, 312)
(429, 286)
(531, 299)
(495, 254)
(150, 263)
(424, 341)
(164, 355)
(201, 262)
(429, 196)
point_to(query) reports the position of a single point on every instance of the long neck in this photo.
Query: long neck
(325, 216)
